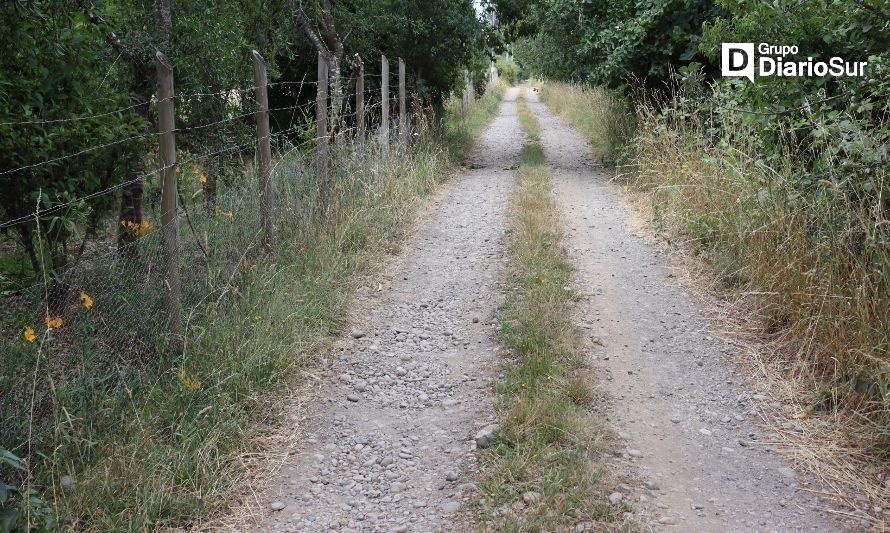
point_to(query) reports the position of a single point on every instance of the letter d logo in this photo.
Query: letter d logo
(737, 59)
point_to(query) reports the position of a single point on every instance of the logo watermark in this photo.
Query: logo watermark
(738, 60)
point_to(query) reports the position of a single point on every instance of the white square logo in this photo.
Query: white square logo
(737, 59)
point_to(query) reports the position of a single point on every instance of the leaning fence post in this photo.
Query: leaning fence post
(403, 110)
(360, 101)
(384, 100)
(169, 208)
(321, 117)
(265, 149)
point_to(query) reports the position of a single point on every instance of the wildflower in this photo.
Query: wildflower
(189, 383)
(216, 210)
(86, 300)
(230, 214)
(54, 322)
(203, 179)
(138, 228)
(29, 334)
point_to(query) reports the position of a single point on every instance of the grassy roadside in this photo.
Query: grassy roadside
(127, 445)
(542, 472)
(802, 261)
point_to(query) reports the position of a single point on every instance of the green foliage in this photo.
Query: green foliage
(22, 508)
(53, 69)
(606, 43)
(508, 70)
(437, 40)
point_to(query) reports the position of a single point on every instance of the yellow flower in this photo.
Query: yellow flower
(138, 228)
(189, 383)
(203, 179)
(230, 214)
(53, 322)
(86, 300)
(29, 334)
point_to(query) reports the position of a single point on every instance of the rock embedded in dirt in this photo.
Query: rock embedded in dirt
(667, 521)
(634, 453)
(486, 435)
(277, 506)
(615, 498)
(352, 397)
(450, 507)
(531, 497)
(357, 334)
(451, 475)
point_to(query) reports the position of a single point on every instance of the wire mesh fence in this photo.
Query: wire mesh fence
(103, 323)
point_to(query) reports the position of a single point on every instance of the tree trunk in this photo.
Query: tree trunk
(131, 216)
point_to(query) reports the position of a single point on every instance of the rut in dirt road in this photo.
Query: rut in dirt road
(679, 404)
(390, 448)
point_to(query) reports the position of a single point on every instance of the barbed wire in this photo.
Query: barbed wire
(371, 108)
(231, 148)
(182, 96)
(81, 152)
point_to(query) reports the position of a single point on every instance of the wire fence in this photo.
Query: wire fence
(110, 309)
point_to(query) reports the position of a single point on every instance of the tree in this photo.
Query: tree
(53, 80)
(609, 42)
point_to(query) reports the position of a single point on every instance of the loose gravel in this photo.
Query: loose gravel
(392, 445)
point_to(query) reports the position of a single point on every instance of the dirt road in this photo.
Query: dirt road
(391, 448)
(680, 405)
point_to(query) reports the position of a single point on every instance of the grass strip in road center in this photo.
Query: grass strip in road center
(542, 471)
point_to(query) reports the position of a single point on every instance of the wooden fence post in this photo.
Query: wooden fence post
(321, 117)
(265, 149)
(169, 208)
(403, 110)
(468, 91)
(384, 100)
(360, 102)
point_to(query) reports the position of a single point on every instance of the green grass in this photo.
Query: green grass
(603, 119)
(550, 439)
(152, 440)
(465, 123)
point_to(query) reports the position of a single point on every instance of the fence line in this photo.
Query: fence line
(171, 209)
